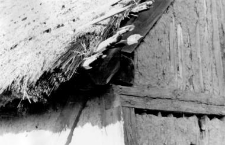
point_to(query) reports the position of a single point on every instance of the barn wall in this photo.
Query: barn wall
(185, 49)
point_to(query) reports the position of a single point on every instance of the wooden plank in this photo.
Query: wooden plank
(145, 21)
(129, 126)
(171, 105)
(171, 100)
(175, 94)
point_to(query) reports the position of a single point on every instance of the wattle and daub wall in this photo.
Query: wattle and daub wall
(184, 51)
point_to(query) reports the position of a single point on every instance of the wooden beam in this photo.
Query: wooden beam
(171, 100)
(145, 21)
(130, 136)
(174, 94)
(111, 108)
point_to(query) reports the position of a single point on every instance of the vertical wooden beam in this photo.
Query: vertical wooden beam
(111, 110)
(129, 126)
(198, 46)
(217, 48)
(112, 119)
(180, 47)
(173, 51)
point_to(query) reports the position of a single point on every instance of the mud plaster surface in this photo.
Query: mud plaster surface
(185, 49)
(157, 130)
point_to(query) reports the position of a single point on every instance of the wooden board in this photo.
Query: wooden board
(130, 135)
(170, 100)
(145, 21)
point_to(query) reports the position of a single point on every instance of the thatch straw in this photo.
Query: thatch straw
(36, 34)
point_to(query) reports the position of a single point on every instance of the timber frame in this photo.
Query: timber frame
(141, 99)
(144, 97)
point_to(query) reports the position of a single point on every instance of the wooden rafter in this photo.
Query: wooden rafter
(145, 21)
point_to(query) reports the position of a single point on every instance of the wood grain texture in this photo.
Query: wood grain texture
(175, 94)
(176, 106)
(171, 100)
(129, 126)
(145, 21)
(217, 47)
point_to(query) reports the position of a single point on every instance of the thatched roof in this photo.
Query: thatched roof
(36, 34)
(44, 42)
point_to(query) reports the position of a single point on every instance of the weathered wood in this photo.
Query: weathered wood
(172, 50)
(111, 41)
(145, 20)
(198, 46)
(217, 49)
(174, 94)
(171, 100)
(181, 60)
(177, 106)
(129, 126)
(111, 108)
(141, 7)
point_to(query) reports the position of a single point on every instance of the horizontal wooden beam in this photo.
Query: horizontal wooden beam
(144, 97)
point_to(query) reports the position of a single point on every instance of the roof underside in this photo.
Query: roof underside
(44, 42)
